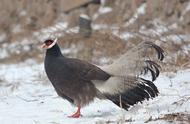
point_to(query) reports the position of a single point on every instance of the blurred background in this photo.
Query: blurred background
(115, 27)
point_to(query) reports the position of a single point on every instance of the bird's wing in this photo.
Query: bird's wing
(139, 60)
(86, 71)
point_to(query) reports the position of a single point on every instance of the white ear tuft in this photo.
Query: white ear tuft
(54, 42)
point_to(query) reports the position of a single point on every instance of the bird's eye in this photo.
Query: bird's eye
(48, 42)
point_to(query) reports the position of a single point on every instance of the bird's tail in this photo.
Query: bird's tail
(144, 89)
(139, 60)
(126, 87)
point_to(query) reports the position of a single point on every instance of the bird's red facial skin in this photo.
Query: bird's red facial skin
(46, 44)
(49, 42)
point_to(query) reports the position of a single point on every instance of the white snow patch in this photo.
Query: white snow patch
(178, 39)
(51, 31)
(124, 35)
(28, 97)
(104, 26)
(104, 60)
(85, 16)
(104, 10)
(140, 11)
(3, 54)
(158, 29)
(23, 13)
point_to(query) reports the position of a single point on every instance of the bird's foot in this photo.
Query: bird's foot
(77, 114)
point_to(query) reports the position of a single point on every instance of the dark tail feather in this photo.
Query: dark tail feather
(159, 50)
(144, 90)
(153, 68)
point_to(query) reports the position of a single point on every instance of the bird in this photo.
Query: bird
(80, 82)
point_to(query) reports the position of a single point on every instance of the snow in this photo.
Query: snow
(124, 35)
(158, 29)
(140, 11)
(3, 54)
(26, 96)
(85, 16)
(177, 39)
(104, 10)
(51, 31)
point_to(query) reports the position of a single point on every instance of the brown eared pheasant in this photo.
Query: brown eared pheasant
(80, 82)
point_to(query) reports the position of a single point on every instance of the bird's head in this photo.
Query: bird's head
(49, 43)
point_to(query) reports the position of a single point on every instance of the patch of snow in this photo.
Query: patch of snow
(85, 16)
(16, 47)
(3, 54)
(104, 60)
(124, 35)
(178, 39)
(51, 31)
(104, 26)
(140, 11)
(186, 49)
(74, 30)
(158, 29)
(99, 26)
(28, 97)
(104, 10)
(23, 13)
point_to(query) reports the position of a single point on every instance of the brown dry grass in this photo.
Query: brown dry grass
(173, 118)
(100, 44)
(33, 15)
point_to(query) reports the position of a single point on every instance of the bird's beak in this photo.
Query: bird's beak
(43, 46)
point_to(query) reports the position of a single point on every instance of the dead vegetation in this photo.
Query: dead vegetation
(158, 24)
(173, 118)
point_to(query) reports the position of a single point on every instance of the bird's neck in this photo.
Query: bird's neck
(54, 51)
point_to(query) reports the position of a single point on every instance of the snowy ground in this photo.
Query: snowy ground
(26, 97)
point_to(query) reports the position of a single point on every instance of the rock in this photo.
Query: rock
(85, 25)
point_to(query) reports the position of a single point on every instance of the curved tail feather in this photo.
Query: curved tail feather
(125, 85)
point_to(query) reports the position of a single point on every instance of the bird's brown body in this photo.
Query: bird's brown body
(80, 82)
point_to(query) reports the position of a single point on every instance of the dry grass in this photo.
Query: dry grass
(31, 15)
(100, 44)
(173, 118)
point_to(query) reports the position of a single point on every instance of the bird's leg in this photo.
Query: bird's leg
(76, 114)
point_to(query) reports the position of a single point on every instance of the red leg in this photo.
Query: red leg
(77, 114)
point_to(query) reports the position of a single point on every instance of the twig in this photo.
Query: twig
(120, 102)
